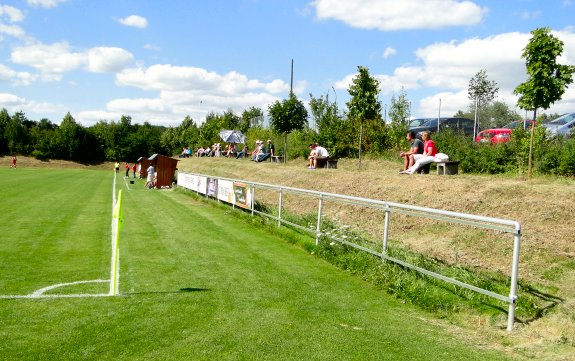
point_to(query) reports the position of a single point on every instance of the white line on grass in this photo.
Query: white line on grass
(79, 295)
(115, 251)
(40, 293)
(126, 182)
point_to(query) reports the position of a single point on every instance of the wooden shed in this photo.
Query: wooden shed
(165, 168)
(143, 164)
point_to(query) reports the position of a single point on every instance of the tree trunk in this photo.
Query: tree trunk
(475, 123)
(285, 148)
(360, 138)
(530, 166)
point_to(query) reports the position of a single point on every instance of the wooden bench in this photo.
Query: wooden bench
(276, 159)
(326, 163)
(447, 168)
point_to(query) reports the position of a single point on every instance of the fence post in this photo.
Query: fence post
(280, 208)
(318, 227)
(385, 229)
(514, 274)
(253, 202)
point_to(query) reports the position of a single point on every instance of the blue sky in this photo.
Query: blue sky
(159, 61)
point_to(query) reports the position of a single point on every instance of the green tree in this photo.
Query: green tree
(16, 134)
(364, 105)
(399, 113)
(247, 116)
(4, 120)
(42, 136)
(547, 80)
(328, 122)
(68, 138)
(170, 140)
(189, 133)
(287, 116)
(481, 90)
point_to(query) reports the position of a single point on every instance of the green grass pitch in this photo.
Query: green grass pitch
(196, 283)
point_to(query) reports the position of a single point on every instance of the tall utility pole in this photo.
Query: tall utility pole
(439, 115)
(291, 79)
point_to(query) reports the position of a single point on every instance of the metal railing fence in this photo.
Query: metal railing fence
(495, 224)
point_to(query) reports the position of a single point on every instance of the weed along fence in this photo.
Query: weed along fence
(273, 201)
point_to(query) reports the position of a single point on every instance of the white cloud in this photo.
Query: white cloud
(13, 14)
(16, 77)
(406, 78)
(450, 103)
(134, 21)
(12, 30)
(108, 59)
(91, 117)
(152, 47)
(11, 100)
(14, 103)
(389, 15)
(45, 3)
(530, 15)
(131, 106)
(167, 77)
(53, 60)
(389, 51)
(193, 91)
(8, 16)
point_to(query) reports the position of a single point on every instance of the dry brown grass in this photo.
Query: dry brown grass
(544, 206)
(24, 162)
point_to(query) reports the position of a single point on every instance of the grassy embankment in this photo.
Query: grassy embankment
(543, 205)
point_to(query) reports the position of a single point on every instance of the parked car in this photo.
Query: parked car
(494, 136)
(414, 123)
(457, 125)
(520, 124)
(562, 125)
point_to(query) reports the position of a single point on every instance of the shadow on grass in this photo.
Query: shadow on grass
(553, 301)
(193, 289)
(181, 290)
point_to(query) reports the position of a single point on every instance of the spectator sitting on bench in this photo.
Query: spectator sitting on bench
(267, 152)
(415, 147)
(244, 152)
(317, 152)
(258, 150)
(231, 150)
(428, 156)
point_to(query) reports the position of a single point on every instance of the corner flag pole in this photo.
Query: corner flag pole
(115, 264)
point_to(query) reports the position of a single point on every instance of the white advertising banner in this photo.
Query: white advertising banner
(225, 191)
(242, 195)
(236, 193)
(193, 182)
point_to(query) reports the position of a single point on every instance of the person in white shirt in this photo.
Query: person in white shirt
(317, 152)
(150, 177)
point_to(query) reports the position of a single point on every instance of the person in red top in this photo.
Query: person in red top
(14, 160)
(134, 169)
(428, 156)
(127, 170)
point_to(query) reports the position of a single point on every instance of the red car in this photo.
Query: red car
(494, 136)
